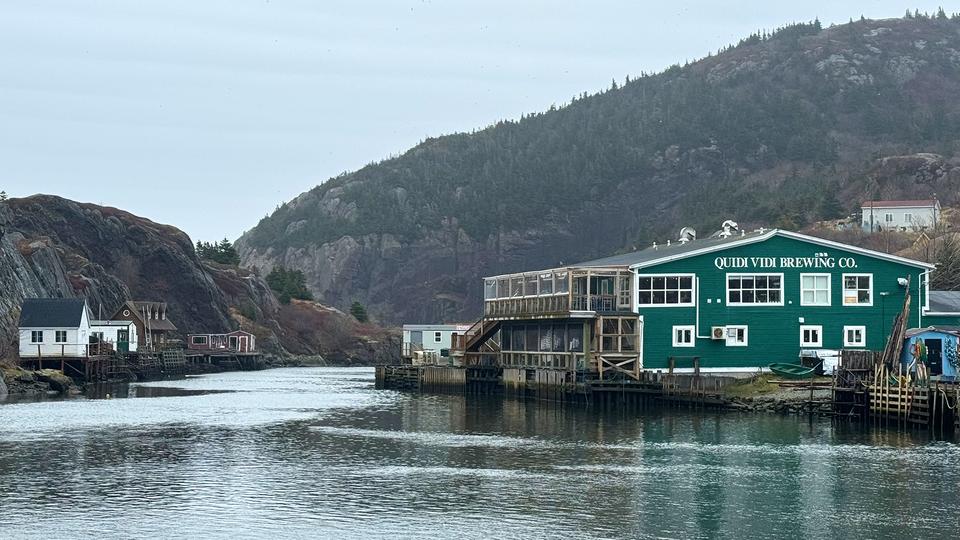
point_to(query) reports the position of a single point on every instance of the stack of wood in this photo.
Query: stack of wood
(891, 353)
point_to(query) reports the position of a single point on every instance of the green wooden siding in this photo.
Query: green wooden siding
(774, 331)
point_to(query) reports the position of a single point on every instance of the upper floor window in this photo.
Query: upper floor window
(199, 340)
(754, 289)
(858, 289)
(908, 217)
(437, 337)
(888, 218)
(61, 336)
(36, 336)
(814, 289)
(664, 290)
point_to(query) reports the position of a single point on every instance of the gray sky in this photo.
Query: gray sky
(206, 114)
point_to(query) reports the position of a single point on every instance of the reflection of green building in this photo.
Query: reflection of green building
(737, 301)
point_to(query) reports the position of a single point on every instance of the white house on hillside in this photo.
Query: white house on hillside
(914, 215)
(54, 327)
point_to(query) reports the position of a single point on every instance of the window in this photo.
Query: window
(814, 289)
(233, 342)
(531, 285)
(36, 336)
(561, 285)
(199, 340)
(516, 286)
(489, 289)
(661, 290)
(736, 336)
(811, 336)
(754, 289)
(503, 288)
(61, 336)
(908, 218)
(888, 218)
(546, 284)
(684, 336)
(623, 300)
(854, 336)
(858, 289)
(437, 337)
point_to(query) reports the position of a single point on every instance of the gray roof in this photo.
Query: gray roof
(52, 312)
(945, 301)
(663, 250)
(953, 330)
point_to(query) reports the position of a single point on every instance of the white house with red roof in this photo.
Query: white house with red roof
(914, 215)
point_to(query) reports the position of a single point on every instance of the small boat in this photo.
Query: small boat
(792, 371)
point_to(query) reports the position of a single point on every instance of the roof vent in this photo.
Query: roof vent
(728, 228)
(687, 234)
(654, 245)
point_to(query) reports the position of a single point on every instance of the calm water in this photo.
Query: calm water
(318, 452)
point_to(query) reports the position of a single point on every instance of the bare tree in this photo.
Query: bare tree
(946, 255)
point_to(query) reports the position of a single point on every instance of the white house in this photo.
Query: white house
(914, 215)
(427, 343)
(54, 327)
(119, 336)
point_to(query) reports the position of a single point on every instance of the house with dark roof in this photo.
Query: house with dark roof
(153, 328)
(54, 327)
(906, 215)
(736, 301)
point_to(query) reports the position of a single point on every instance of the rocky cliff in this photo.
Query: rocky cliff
(782, 129)
(53, 247)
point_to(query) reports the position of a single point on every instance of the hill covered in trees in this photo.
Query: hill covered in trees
(782, 129)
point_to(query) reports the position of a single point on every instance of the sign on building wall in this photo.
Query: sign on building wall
(817, 261)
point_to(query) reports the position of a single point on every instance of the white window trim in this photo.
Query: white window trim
(693, 290)
(56, 336)
(198, 340)
(843, 290)
(888, 218)
(829, 289)
(863, 334)
(684, 327)
(818, 328)
(746, 335)
(32, 332)
(437, 337)
(726, 280)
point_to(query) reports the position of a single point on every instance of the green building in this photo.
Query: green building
(736, 301)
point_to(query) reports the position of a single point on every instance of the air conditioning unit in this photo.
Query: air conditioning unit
(718, 332)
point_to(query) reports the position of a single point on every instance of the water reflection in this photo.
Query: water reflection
(319, 452)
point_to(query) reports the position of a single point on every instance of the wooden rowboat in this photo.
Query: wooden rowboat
(792, 371)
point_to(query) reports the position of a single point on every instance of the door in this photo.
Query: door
(243, 344)
(123, 341)
(640, 341)
(233, 343)
(934, 355)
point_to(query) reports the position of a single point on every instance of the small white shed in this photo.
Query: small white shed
(54, 327)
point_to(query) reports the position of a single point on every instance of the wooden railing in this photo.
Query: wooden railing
(520, 307)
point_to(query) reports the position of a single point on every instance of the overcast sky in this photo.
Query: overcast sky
(206, 114)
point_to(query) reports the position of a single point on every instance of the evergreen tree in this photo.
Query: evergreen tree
(359, 312)
(3, 195)
(288, 284)
(221, 252)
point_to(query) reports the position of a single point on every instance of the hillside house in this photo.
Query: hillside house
(153, 328)
(915, 215)
(54, 327)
